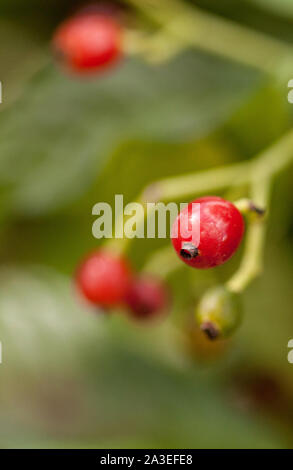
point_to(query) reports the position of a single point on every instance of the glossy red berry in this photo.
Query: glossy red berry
(88, 42)
(221, 228)
(104, 278)
(146, 297)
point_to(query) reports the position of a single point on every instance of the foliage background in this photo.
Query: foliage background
(71, 378)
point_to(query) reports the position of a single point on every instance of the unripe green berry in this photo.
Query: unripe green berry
(218, 312)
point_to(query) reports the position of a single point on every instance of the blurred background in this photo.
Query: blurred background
(71, 377)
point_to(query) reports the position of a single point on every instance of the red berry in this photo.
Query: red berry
(103, 279)
(88, 42)
(221, 228)
(146, 297)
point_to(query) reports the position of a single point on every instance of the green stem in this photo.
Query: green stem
(277, 157)
(155, 48)
(216, 35)
(248, 207)
(252, 261)
(265, 167)
(215, 179)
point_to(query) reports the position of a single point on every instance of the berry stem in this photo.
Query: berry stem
(267, 165)
(200, 182)
(225, 38)
(155, 48)
(252, 261)
(249, 208)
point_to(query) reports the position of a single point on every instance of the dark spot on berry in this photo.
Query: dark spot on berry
(188, 251)
(210, 330)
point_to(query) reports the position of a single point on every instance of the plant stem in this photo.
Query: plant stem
(249, 208)
(265, 167)
(252, 261)
(200, 182)
(276, 158)
(216, 35)
(155, 48)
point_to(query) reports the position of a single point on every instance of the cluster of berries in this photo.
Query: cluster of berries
(106, 279)
(89, 42)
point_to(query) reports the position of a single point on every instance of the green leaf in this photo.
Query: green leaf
(55, 140)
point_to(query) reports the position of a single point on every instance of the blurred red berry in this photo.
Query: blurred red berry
(104, 278)
(221, 229)
(146, 297)
(88, 42)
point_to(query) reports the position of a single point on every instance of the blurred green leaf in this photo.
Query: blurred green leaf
(66, 127)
